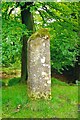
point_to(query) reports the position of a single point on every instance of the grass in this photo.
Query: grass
(16, 104)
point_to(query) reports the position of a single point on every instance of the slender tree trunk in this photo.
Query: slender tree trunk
(79, 41)
(27, 19)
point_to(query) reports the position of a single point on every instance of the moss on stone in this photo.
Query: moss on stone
(40, 33)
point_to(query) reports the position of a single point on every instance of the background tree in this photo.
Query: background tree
(60, 18)
(27, 19)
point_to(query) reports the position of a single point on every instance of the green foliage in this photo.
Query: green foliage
(11, 44)
(64, 48)
(61, 18)
(62, 21)
(13, 30)
(64, 35)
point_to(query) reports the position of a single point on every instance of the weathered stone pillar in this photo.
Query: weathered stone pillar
(38, 60)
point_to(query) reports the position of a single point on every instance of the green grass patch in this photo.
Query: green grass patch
(57, 82)
(16, 104)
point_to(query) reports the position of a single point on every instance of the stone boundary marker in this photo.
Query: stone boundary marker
(38, 65)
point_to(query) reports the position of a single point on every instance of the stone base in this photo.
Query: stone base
(39, 95)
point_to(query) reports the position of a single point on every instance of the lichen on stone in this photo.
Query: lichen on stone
(40, 33)
(39, 95)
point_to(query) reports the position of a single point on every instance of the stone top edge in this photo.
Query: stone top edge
(42, 33)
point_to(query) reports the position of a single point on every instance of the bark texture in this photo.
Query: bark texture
(27, 19)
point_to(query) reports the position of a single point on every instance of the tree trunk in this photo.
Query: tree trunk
(27, 19)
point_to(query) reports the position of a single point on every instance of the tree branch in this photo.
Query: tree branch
(17, 4)
(41, 15)
(11, 11)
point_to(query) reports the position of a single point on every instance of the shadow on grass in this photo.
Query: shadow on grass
(14, 81)
(10, 82)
